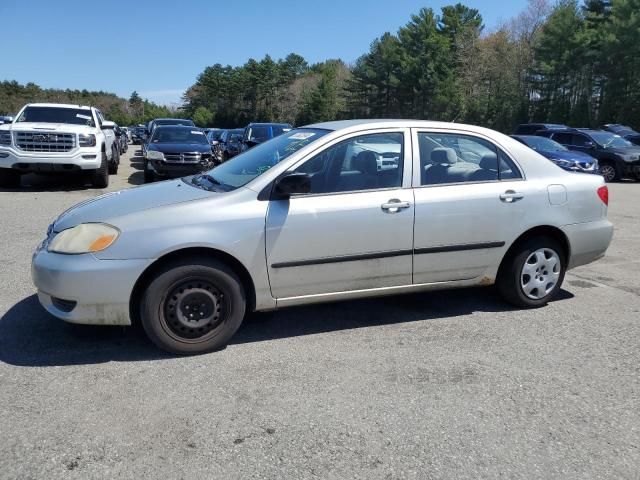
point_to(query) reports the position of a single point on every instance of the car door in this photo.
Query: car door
(469, 202)
(354, 230)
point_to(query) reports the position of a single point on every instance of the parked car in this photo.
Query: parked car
(176, 151)
(122, 140)
(256, 133)
(162, 121)
(624, 131)
(571, 160)
(616, 156)
(533, 128)
(58, 138)
(299, 219)
(229, 144)
(137, 135)
(213, 137)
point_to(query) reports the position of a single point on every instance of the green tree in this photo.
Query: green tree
(202, 117)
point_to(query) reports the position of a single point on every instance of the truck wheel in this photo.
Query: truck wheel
(533, 274)
(193, 306)
(610, 172)
(9, 178)
(100, 177)
(115, 161)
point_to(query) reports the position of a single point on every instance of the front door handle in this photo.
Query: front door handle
(394, 206)
(511, 196)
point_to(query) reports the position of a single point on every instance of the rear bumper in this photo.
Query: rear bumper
(589, 241)
(25, 162)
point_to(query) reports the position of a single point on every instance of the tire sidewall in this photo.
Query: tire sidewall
(511, 285)
(154, 321)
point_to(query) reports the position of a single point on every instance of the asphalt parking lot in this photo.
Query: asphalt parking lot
(444, 385)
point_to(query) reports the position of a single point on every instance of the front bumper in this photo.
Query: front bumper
(100, 289)
(175, 170)
(75, 160)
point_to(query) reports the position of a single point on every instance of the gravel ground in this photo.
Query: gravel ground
(442, 385)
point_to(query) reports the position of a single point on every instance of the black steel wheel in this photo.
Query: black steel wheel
(193, 306)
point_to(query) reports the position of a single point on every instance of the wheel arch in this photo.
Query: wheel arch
(539, 231)
(185, 253)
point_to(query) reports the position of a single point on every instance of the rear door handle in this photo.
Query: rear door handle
(394, 206)
(511, 196)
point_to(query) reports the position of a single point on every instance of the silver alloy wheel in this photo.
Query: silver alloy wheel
(608, 172)
(540, 273)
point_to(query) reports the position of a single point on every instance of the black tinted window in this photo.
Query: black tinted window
(74, 116)
(563, 138)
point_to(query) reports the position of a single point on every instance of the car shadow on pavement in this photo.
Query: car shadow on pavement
(29, 336)
(67, 182)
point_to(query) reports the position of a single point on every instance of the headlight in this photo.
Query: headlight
(5, 137)
(154, 155)
(563, 163)
(88, 140)
(84, 238)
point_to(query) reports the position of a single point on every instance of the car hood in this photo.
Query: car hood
(48, 127)
(571, 155)
(624, 150)
(179, 147)
(123, 202)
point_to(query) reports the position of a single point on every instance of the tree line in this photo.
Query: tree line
(573, 62)
(13, 96)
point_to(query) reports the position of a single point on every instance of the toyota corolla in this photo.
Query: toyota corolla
(311, 216)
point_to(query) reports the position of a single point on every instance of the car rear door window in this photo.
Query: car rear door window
(563, 138)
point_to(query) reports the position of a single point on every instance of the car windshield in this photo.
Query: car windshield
(178, 135)
(215, 134)
(544, 144)
(247, 166)
(75, 116)
(607, 139)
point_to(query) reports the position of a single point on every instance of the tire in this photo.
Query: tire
(149, 175)
(544, 280)
(194, 306)
(115, 161)
(610, 172)
(9, 178)
(100, 176)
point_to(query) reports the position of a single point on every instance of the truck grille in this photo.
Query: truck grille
(45, 141)
(182, 157)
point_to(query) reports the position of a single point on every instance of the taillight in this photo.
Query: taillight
(603, 193)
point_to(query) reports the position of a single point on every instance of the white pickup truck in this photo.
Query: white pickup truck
(58, 138)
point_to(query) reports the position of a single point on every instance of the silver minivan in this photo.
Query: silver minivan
(327, 212)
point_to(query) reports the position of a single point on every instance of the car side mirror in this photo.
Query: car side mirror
(107, 125)
(291, 184)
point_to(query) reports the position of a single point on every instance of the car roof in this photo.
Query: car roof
(60, 105)
(181, 119)
(186, 127)
(253, 124)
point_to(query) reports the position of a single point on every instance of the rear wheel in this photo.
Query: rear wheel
(609, 171)
(100, 176)
(533, 274)
(194, 306)
(9, 178)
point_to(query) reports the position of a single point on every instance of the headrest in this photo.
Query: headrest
(489, 161)
(366, 162)
(444, 155)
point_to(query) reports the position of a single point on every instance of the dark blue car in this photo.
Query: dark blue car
(566, 159)
(256, 133)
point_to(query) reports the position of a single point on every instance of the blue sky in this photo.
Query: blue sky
(159, 47)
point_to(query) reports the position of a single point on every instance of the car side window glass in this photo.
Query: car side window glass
(367, 162)
(508, 169)
(456, 158)
(563, 138)
(580, 140)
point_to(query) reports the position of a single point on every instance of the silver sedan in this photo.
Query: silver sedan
(327, 212)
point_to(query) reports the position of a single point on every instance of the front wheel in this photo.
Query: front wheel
(194, 306)
(100, 176)
(533, 274)
(149, 175)
(609, 172)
